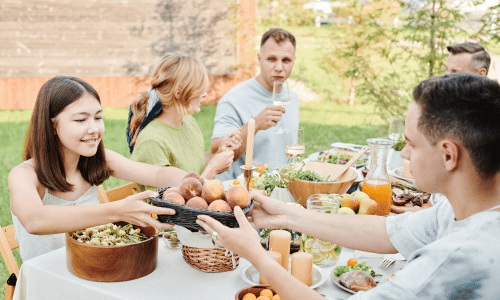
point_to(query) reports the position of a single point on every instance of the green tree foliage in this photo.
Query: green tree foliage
(280, 13)
(361, 28)
(384, 52)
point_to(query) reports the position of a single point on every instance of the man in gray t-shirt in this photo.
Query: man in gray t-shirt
(254, 99)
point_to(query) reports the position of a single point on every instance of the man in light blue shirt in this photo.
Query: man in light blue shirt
(254, 99)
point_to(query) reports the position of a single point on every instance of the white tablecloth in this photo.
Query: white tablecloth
(46, 277)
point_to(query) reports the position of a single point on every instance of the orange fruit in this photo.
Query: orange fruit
(236, 182)
(249, 296)
(352, 262)
(262, 298)
(266, 293)
(276, 297)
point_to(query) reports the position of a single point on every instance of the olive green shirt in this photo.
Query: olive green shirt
(161, 145)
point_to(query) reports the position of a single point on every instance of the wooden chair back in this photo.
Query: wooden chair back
(117, 193)
(7, 243)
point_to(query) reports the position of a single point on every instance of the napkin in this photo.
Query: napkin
(194, 239)
(362, 254)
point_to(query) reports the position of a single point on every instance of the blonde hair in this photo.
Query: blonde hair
(176, 71)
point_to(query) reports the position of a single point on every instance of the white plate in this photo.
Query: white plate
(398, 172)
(374, 262)
(251, 276)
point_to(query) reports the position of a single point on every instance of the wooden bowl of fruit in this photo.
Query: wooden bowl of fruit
(112, 252)
(253, 292)
(302, 189)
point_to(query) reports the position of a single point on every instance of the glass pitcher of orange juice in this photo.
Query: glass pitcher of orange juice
(377, 184)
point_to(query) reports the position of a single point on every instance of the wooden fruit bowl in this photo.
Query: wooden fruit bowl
(113, 263)
(255, 289)
(301, 189)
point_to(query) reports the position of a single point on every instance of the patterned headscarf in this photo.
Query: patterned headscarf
(153, 110)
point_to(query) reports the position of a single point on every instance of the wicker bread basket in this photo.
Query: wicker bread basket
(186, 216)
(210, 260)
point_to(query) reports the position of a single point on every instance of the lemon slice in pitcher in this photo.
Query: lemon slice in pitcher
(308, 244)
(319, 257)
(326, 246)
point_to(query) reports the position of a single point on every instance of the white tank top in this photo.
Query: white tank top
(31, 245)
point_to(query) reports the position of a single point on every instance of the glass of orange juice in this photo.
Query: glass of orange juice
(377, 184)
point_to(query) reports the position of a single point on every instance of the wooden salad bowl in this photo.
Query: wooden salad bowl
(301, 189)
(113, 263)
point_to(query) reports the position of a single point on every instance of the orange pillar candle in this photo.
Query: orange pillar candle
(302, 264)
(277, 257)
(279, 240)
(250, 137)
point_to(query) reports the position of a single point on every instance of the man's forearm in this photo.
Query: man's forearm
(365, 232)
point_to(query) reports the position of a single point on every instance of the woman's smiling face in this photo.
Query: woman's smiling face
(79, 126)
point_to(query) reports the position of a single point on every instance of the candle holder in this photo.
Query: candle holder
(247, 174)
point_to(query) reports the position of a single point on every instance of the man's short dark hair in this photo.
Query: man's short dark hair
(279, 35)
(480, 58)
(464, 107)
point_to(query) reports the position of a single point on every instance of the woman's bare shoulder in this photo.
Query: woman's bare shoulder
(25, 173)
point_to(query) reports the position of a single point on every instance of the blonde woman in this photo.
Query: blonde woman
(161, 130)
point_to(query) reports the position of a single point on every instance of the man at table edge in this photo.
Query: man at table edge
(467, 57)
(453, 248)
(253, 99)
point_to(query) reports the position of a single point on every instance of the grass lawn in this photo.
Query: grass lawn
(323, 122)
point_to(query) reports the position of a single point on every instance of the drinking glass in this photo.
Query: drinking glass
(325, 254)
(295, 145)
(396, 128)
(281, 97)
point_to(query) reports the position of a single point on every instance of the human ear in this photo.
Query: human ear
(177, 93)
(451, 154)
(482, 72)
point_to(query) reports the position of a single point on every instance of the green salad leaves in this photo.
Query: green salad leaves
(361, 266)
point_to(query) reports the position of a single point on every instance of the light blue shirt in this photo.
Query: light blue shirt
(243, 102)
(446, 259)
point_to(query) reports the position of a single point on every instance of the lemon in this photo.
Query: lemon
(332, 252)
(326, 246)
(308, 243)
(319, 257)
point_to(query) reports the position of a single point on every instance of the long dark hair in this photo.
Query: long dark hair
(43, 145)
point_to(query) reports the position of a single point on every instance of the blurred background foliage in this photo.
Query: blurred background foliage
(377, 51)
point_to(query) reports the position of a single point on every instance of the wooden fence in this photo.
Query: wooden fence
(113, 44)
(118, 91)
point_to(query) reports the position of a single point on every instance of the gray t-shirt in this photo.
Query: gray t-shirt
(446, 259)
(244, 101)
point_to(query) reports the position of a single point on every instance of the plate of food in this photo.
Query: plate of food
(338, 157)
(408, 198)
(352, 277)
(398, 173)
(251, 276)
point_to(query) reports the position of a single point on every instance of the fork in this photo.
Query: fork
(386, 263)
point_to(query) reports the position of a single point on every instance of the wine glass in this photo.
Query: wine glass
(295, 145)
(281, 98)
(396, 128)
